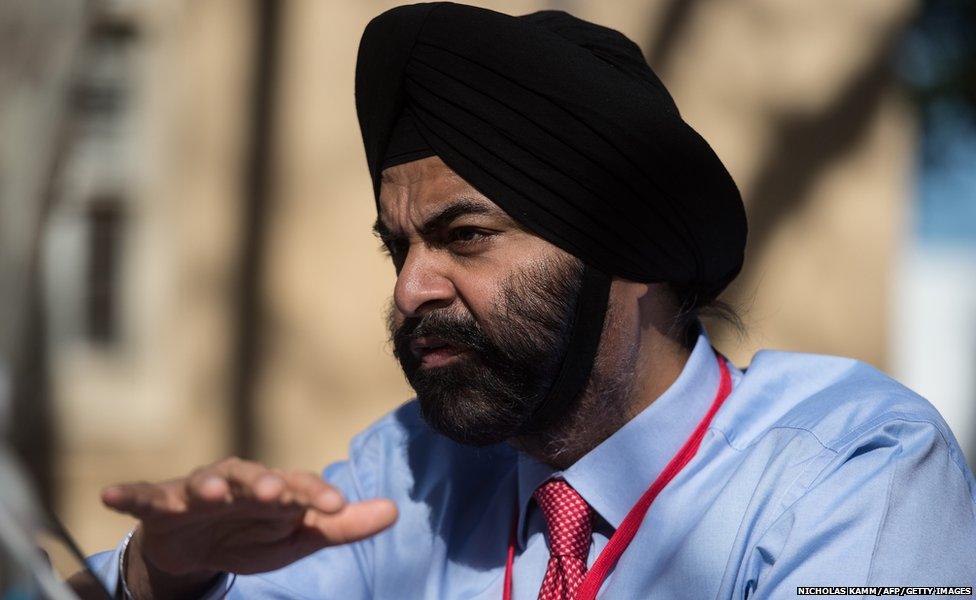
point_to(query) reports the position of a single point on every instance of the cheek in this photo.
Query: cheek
(480, 282)
(480, 295)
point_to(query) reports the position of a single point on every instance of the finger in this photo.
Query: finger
(308, 489)
(142, 499)
(355, 521)
(233, 479)
(254, 481)
(207, 487)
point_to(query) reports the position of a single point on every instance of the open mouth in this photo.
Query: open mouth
(434, 352)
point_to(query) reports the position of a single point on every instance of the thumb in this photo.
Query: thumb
(354, 522)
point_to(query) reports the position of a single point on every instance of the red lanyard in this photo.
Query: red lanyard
(628, 527)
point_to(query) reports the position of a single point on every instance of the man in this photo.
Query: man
(555, 229)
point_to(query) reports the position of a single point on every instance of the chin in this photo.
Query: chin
(469, 402)
(466, 421)
(466, 413)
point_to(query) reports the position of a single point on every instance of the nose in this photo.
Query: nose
(421, 284)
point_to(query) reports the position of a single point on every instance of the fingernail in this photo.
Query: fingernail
(112, 492)
(212, 482)
(268, 486)
(212, 487)
(329, 500)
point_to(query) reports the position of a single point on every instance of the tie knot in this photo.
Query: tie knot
(568, 516)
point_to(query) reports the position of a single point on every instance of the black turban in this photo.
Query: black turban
(562, 124)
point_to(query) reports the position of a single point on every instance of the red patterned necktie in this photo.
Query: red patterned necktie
(570, 521)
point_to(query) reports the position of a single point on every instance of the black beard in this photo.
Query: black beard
(489, 394)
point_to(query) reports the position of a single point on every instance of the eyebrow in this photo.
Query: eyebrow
(439, 220)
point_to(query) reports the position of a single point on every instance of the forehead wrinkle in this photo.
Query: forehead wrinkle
(459, 207)
(394, 193)
(446, 212)
(416, 189)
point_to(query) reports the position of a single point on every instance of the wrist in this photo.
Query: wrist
(140, 579)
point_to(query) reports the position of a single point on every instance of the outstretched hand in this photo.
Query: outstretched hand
(241, 517)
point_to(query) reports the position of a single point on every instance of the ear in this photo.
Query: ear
(657, 306)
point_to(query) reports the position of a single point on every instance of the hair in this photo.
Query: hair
(691, 306)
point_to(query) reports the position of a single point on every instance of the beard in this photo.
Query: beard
(489, 392)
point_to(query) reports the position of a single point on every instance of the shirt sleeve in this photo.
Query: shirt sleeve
(335, 572)
(105, 566)
(895, 507)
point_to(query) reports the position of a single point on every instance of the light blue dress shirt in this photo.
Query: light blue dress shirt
(816, 471)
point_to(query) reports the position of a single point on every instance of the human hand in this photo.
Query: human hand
(235, 516)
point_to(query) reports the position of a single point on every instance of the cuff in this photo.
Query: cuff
(112, 573)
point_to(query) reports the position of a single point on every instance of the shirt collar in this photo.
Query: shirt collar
(612, 476)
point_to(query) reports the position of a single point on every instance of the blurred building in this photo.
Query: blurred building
(209, 129)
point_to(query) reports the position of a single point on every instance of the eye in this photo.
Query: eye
(463, 236)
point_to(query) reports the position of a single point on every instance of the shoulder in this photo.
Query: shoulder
(840, 458)
(828, 396)
(843, 405)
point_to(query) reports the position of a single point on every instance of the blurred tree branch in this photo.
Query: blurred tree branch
(250, 317)
(670, 28)
(804, 146)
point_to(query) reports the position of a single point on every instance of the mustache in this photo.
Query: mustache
(461, 332)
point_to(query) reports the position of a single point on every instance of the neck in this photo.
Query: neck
(622, 384)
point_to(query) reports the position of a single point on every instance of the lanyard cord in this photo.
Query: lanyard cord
(622, 537)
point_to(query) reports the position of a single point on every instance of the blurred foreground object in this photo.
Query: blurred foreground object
(24, 573)
(38, 43)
